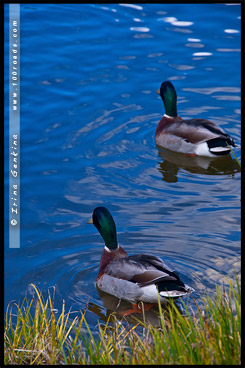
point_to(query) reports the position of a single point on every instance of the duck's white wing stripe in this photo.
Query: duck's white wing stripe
(219, 149)
(176, 293)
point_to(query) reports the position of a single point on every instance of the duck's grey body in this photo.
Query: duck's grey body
(142, 277)
(193, 136)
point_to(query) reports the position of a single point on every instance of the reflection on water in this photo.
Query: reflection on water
(123, 310)
(174, 161)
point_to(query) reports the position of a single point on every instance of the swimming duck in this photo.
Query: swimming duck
(135, 278)
(191, 136)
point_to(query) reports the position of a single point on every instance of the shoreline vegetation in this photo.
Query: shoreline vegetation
(33, 334)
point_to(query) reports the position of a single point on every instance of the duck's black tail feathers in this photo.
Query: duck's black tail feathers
(220, 146)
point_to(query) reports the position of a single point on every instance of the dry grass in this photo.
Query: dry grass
(212, 336)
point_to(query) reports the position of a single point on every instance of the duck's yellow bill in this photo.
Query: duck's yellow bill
(158, 91)
(90, 221)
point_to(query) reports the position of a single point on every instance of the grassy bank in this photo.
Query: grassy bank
(212, 336)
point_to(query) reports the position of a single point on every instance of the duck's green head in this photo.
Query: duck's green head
(103, 221)
(169, 97)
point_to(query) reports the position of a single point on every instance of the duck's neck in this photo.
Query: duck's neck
(169, 98)
(170, 109)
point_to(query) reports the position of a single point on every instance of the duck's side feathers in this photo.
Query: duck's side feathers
(120, 288)
(195, 130)
(144, 270)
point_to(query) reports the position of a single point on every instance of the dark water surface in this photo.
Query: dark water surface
(88, 117)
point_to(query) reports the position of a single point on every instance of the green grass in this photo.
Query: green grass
(239, 163)
(211, 336)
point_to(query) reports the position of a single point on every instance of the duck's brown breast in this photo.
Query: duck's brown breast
(109, 256)
(164, 123)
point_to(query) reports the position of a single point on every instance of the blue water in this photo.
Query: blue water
(89, 111)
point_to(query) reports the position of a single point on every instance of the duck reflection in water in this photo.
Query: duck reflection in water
(173, 161)
(122, 309)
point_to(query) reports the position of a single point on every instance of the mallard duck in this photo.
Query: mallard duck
(191, 136)
(135, 278)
